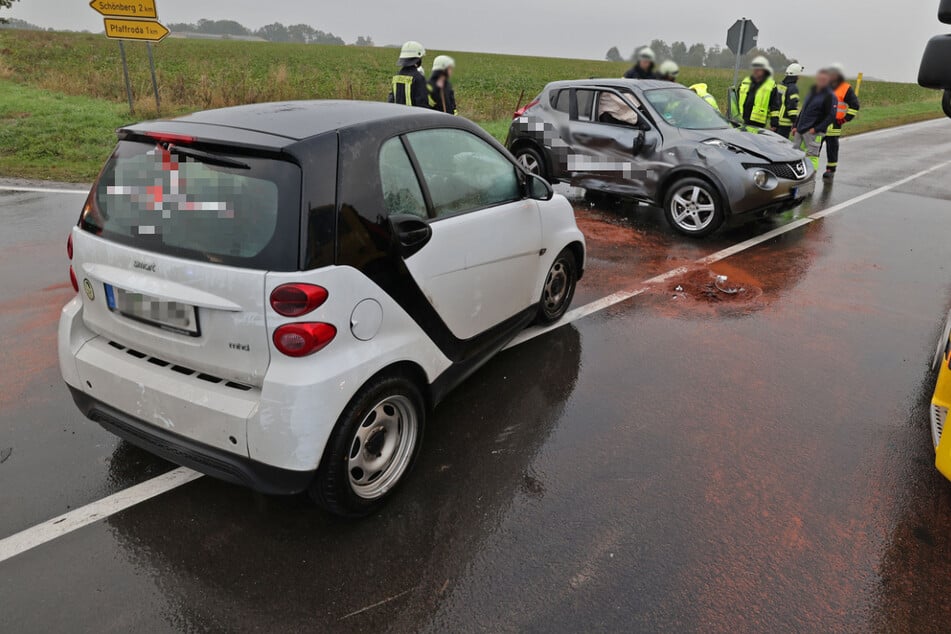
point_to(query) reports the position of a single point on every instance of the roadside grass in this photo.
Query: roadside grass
(54, 136)
(62, 94)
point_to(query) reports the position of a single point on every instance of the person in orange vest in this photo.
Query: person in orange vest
(847, 108)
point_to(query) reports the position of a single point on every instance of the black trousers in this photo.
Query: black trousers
(832, 152)
(784, 131)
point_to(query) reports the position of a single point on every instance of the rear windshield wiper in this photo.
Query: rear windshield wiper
(206, 157)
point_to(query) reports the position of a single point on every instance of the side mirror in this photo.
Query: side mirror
(638, 142)
(935, 71)
(538, 188)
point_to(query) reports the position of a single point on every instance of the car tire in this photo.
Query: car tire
(532, 161)
(372, 447)
(559, 288)
(693, 207)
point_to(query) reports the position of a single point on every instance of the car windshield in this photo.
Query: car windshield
(682, 108)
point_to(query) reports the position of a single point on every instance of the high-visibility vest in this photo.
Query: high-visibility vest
(786, 116)
(761, 112)
(841, 108)
(406, 81)
(701, 90)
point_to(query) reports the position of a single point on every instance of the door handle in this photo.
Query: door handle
(412, 233)
(413, 237)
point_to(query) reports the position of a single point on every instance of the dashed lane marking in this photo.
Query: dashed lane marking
(93, 512)
(43, 190)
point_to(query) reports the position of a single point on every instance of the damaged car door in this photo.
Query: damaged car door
(613, 141)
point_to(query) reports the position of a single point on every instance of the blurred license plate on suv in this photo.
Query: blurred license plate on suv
(173, 316)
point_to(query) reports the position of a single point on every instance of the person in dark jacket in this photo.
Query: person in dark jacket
(644, 68)
(789, 93)
(409, 87)
(847, 108)
(815, 116)
(442, 97)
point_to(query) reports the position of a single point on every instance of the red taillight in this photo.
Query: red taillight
(167, 137)
(525, 108)
(72, 278)
(69, 246)
(294, 300)
(300, 340)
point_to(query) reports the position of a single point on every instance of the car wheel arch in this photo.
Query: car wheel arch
(410, 370)
(531, 144)
(692, 172)
(577, 249)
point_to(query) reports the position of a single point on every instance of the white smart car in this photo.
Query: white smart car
(276, 294)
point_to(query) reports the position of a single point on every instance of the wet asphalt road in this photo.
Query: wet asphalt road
(685, 460)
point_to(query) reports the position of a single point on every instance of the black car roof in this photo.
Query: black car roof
(290, 120)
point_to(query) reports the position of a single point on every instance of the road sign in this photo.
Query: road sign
(139, 30)
(126, 8)
(741, 38)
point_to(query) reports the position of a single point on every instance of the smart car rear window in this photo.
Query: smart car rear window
(216, 207)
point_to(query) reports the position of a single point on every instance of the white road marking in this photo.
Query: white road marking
(43, 190)
(95, 511)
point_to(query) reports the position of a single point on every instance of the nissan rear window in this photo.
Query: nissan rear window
(199, 204)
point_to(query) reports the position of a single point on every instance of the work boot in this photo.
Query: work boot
(829, 175)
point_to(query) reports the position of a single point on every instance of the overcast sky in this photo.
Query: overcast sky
(883, 39)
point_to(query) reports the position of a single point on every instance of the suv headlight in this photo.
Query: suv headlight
(765, 180)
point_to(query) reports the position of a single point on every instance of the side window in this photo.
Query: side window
(613, 110)
(463, 172)
(401, 191)
(585, 103)
(561, 101)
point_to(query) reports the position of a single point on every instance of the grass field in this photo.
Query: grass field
(61, 94)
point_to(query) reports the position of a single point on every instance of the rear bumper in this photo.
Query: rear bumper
(186, 452)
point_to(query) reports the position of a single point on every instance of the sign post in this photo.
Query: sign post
(741, 39)
(158, 106)
(125, 73)
(134, 20)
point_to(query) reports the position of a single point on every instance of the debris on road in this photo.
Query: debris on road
(703, 290)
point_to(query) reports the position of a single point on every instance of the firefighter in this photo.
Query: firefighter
(644, 68)
(789, 95)
(409, 86)
(847, 106)
(442, 97)
(668, 71)
(757, 99)
(815, 118)
(703, 93)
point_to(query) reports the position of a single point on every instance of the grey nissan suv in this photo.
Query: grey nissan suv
(659, 143)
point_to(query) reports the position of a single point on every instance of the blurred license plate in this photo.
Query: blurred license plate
(151, 310)
(804, 190)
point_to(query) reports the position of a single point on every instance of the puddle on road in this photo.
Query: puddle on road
(623, 252)
(721, 290)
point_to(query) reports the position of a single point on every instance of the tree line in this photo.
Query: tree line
(275, 32)
(5, 4)
(701, 55)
